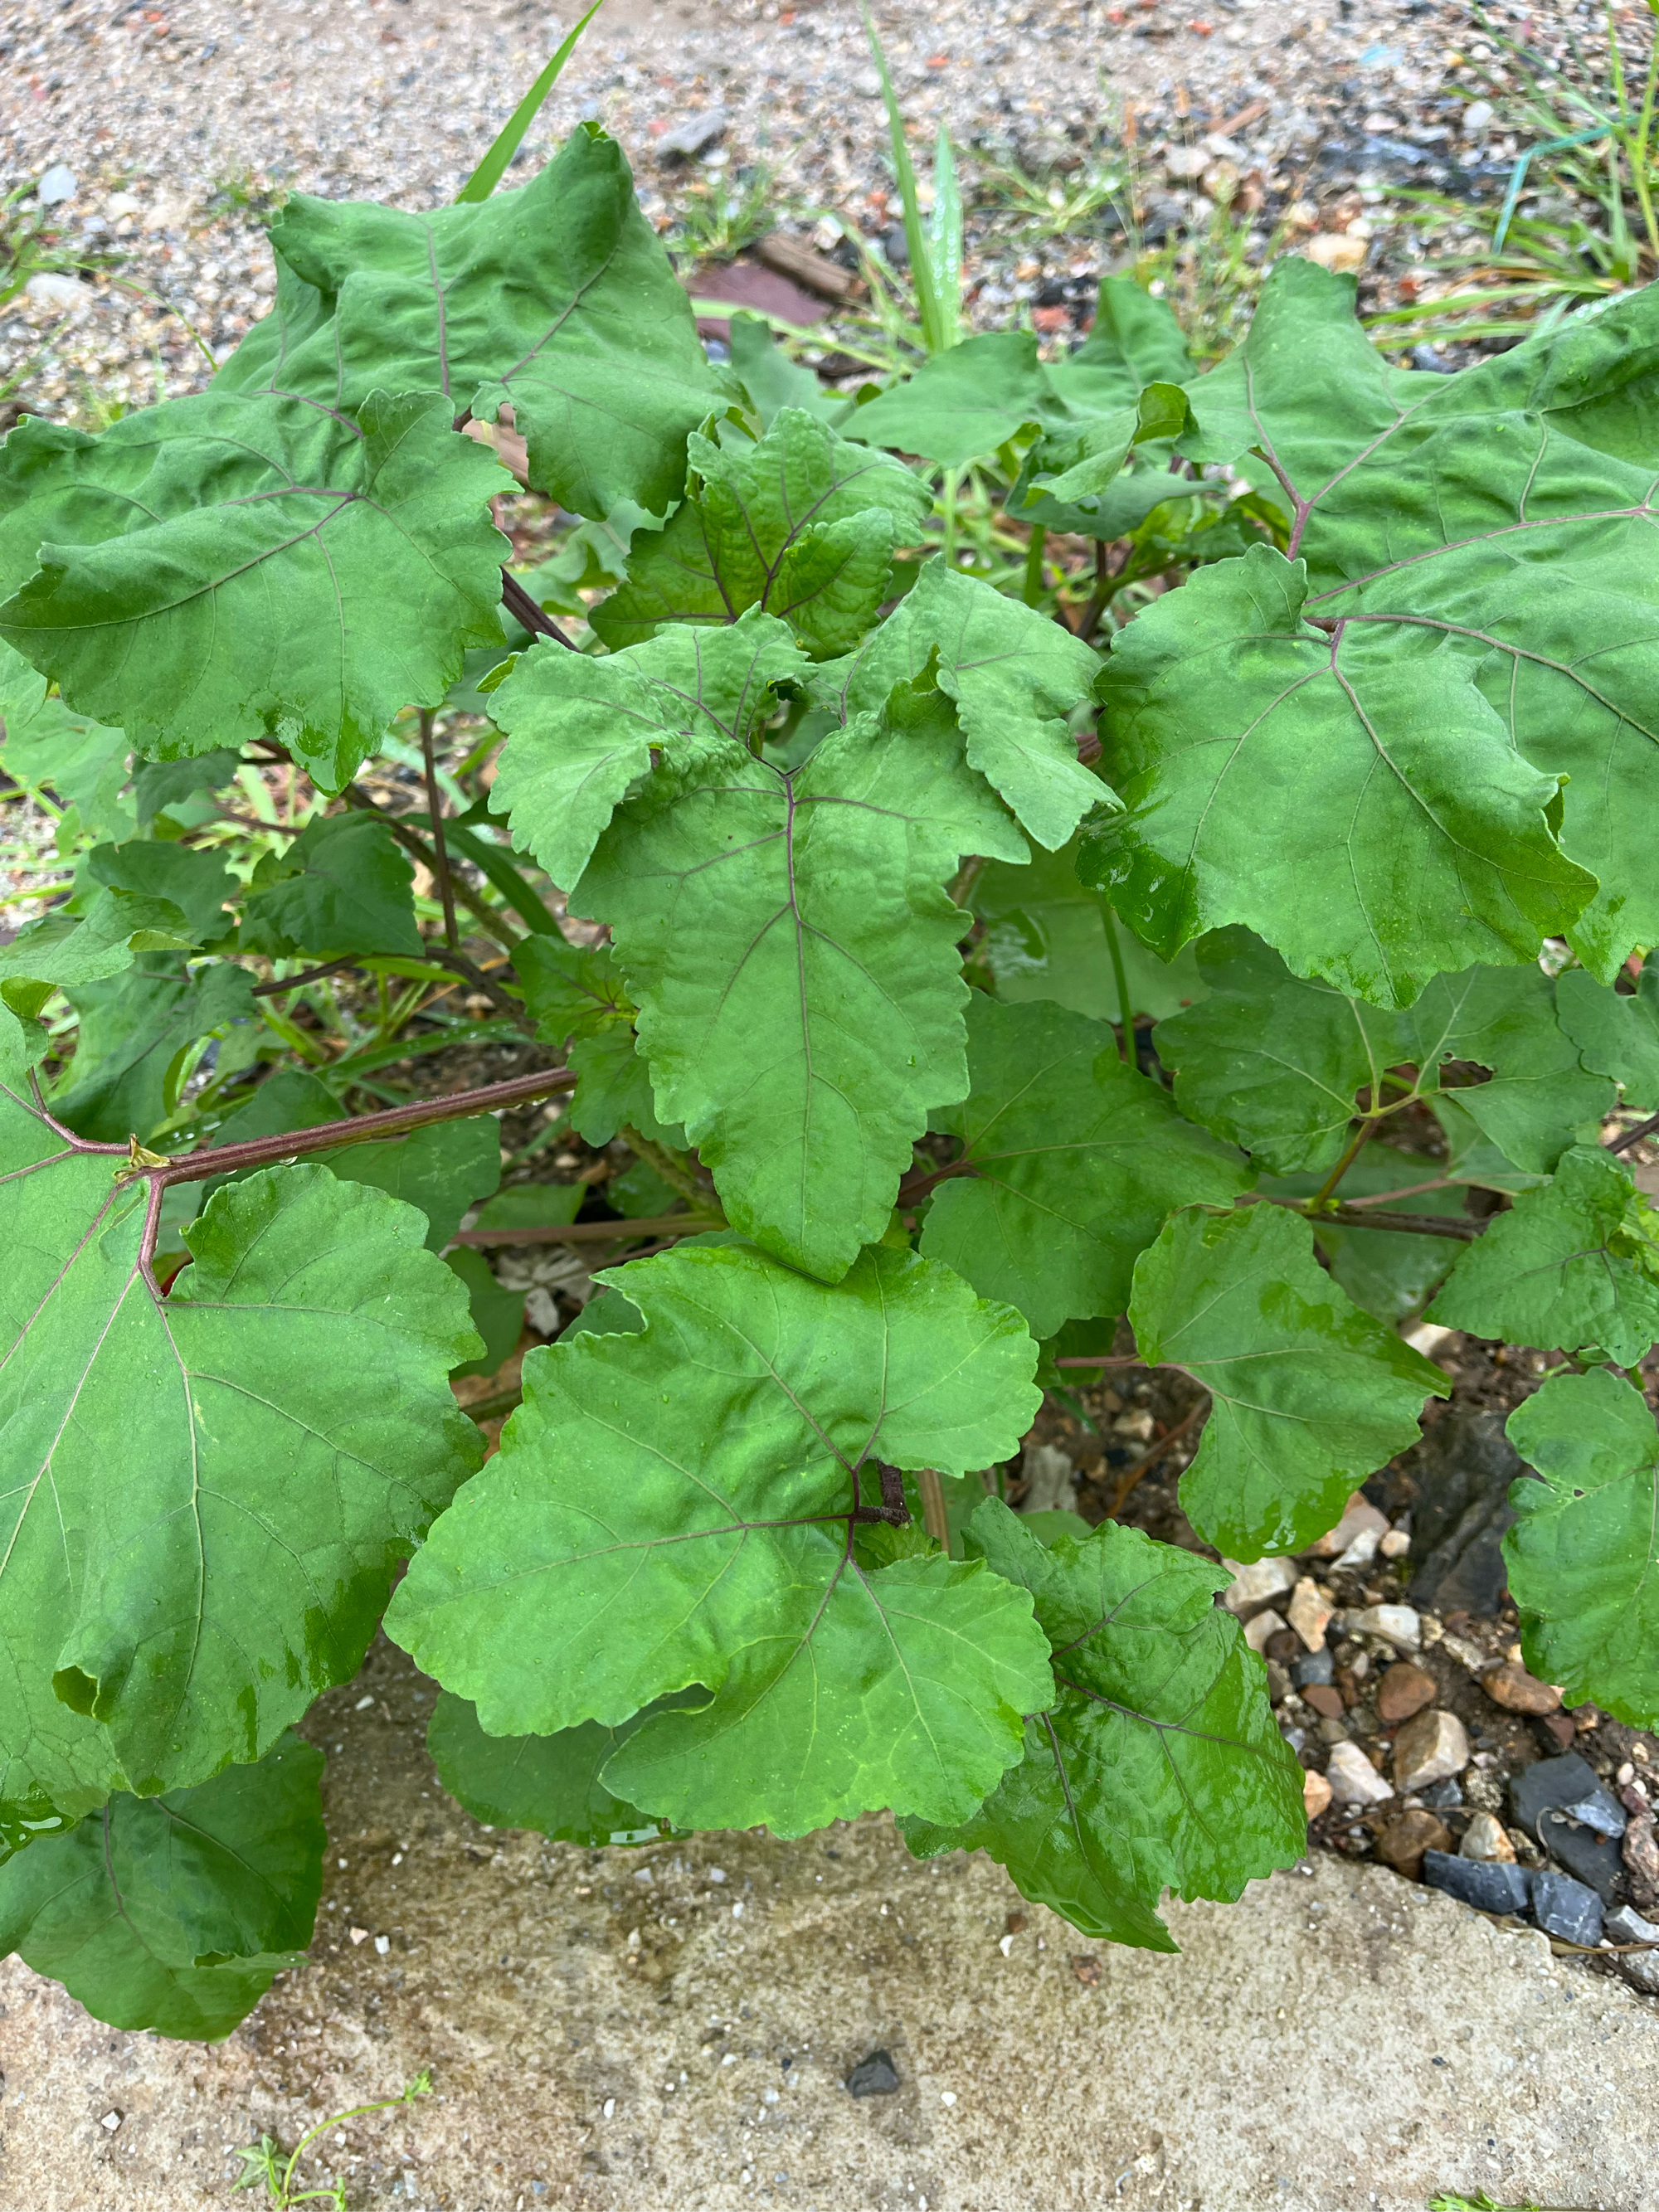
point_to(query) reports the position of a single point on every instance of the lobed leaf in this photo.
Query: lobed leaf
(1158, 1765)
(1014, 676)
(1583, 1555)
(1617, 1034)
(1076, 1160)
(176, 1913)
(965, 402)
(582, 732)
(1351, 796)
(343, 886)
(1310, 1395)
(556, 299)
(155, 1627)
(1045, 937)
(800, 523)
(793, 954)
(133, 1028)
(673, 1506)
(230, 566)
(1574, 1265)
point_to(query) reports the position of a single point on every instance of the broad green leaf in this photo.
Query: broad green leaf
(1574, 1265)
(1159, 1765)
(440, 1170)
(84, 763)
(1015, 678)
(1071, 475)
(133, 1027)
(1077, 1160)
(1045, 937)
(497, 1314)
(289, 1100)
(961, 404)
(1617, 1033)
(534, 1206)
(284, 1430)
(63, 952)
(772, 381)
(1583, 1556)
(575, 995)
(344, 885)
(198, 883)
(672, 1506)
(582, 731)
(1310, 1395)
(158, 785)
(801, 524)
(1136, 341)
(1505, 513)
(226, 566)
(1351, 797)
(1387, 1272)
(793, 956)
(177, 1913)
(556, 299)
(1277, 1063)
(548, 1783)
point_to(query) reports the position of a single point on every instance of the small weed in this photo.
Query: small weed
(718, 217)
(1481, 2202)
(1062, 204)
(1210, 277)
(265, 2161)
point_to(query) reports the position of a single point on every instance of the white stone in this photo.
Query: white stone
(57, 185)
(112, 2121)
(1484, 1838)
(1361, 1552)
(1264, 1626)
(1050, 1481)
(1339, 251)
(1431, 1747)
(1258, 1583)
(1353, 1779)
(1477, 118)
(1395, 1545)
(1400, 1624)
(64, 295)
(1184, 161)
(1309, 1614)
(1359, 1513)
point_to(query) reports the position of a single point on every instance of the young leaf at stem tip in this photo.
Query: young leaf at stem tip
(697, 1480)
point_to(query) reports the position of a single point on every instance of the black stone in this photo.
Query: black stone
(874, 2076)
(1313, 1667)
(1490, 1885)
(1566, 1908)
(1594, 1859)
(1462, 1470)
(1600, 1810)
(1442, 1797)
(1549, 1783)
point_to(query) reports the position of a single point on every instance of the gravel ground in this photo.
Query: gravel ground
(180, 127)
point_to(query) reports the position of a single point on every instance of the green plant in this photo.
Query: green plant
(829, 881)
(718, 216)
(266, 2162)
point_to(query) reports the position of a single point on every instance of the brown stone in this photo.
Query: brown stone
(1087, 1970)
(1518, 1691)
(1431, 1747)
(1406, 1837)
(1562, 1729)
(1404, 1689)
(1315, 1794)
(1325, 1697)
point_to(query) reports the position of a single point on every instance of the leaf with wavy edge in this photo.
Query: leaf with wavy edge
(556, 299)
(1584, 1554)
(1159, 1765)
(676, 1506)
(177, 1913)
(798, 523)
(1354, 799)
(1309, 1394)
(233, 565)
(153, 1628)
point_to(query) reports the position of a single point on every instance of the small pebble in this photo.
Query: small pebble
(1518, 1691)
(1258, 1583)
(1399, 1624)
(1404, 1689)
(1486, 1838)
(1489, 1886)
(1407, 1836)
(1315, 1794)
(1353, 1779)
(1428, 1749)
(1569, 1909)
(874, 2076)
(1264, 1626)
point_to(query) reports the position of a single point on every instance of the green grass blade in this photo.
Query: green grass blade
(915, 235)
(945, 239)
(493, 168)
